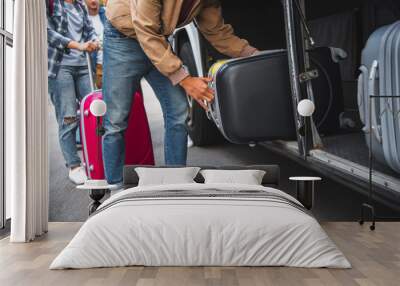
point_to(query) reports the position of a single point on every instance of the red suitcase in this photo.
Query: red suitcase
(137, 136)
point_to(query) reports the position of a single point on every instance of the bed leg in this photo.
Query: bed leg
(96, 196)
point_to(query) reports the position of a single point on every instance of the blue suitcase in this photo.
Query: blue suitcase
(380, 76)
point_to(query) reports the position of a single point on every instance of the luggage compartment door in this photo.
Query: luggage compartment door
(298, 64)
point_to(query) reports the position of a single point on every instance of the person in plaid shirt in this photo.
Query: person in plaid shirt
(70, 34)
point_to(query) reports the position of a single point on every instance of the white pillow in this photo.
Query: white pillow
(247, 177)
(166, 176)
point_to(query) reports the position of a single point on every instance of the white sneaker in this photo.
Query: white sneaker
(77, 175)
(190, 142)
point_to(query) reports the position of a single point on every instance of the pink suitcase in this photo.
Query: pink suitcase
(137, 137)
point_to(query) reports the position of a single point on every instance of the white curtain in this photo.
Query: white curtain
(26, 119)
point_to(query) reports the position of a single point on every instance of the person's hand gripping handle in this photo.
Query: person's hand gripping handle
(198, 89)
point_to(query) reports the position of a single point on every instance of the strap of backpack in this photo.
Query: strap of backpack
(50, 7)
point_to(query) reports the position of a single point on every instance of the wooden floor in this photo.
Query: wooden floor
(375, 257)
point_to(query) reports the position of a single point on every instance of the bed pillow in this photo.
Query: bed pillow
(166, 176)
(247, 177)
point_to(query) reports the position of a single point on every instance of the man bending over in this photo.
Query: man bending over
(136, 46)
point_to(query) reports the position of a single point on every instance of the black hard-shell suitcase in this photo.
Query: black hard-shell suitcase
(253, 96)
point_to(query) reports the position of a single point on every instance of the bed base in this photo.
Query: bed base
(131, 179)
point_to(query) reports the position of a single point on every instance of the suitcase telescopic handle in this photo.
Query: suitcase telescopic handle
(91, 79)
(372, 82)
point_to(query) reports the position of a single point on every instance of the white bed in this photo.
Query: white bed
(247, 228)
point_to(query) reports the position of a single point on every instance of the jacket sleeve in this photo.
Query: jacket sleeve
(146, 16)
(55, 39)
(221, 35)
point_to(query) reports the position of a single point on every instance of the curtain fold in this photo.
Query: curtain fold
(26, 117)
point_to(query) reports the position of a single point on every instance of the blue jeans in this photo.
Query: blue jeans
(124, 65)
(71, 84)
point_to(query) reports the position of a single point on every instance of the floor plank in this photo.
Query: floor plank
(375, 257)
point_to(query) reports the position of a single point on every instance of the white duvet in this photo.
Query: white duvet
(202, 231)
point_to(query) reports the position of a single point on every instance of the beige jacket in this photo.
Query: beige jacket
(152, 21)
